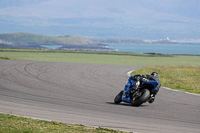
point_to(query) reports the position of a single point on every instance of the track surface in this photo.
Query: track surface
(83, 94)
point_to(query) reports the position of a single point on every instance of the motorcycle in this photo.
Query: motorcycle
(137, 90)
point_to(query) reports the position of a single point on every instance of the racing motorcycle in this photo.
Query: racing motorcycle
(137, 90)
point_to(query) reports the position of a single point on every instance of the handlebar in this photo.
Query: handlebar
(140, 77)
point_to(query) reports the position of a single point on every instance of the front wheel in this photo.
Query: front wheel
(118, 98)
(142, 99)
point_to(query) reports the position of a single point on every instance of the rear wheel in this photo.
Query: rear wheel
(142, 99)
(118, 98)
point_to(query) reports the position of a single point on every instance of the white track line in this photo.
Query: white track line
(129, 74)
(180, 91)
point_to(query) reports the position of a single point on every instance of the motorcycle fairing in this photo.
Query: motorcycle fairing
(153, 83)
(129, 83)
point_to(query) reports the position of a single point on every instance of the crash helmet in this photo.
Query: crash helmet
(154, 74)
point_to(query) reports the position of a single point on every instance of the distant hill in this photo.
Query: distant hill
(27, 40)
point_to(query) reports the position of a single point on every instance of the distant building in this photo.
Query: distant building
(167, 39)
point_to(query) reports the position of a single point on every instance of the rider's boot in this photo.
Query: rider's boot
(152, 98)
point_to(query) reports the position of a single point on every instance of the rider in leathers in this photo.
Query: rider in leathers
(154, 77)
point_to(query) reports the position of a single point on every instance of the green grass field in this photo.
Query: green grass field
(115, 58)
(13, 124)
(184, 78)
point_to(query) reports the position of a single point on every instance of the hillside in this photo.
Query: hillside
(27, 40)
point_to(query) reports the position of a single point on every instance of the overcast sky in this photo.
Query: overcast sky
(100, 8)
(167, 17)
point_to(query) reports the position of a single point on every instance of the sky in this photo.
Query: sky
(144, 19)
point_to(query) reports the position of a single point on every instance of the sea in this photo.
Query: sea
(181, 48)
(193, 48)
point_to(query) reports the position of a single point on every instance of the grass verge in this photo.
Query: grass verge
(94, 57)
(14, 124)
(184, 78)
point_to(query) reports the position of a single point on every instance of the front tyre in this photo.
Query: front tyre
(118, 98)
(142, 99)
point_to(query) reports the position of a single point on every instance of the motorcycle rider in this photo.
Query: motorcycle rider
(152, 77)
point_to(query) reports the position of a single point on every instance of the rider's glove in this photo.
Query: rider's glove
(144, 79)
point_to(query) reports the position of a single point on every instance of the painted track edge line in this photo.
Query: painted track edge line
(129, 73)
(180, 91)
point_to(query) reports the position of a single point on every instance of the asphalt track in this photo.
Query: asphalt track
(83, 94)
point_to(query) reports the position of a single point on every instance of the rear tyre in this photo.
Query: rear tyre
(142, 99)
(118, 98)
